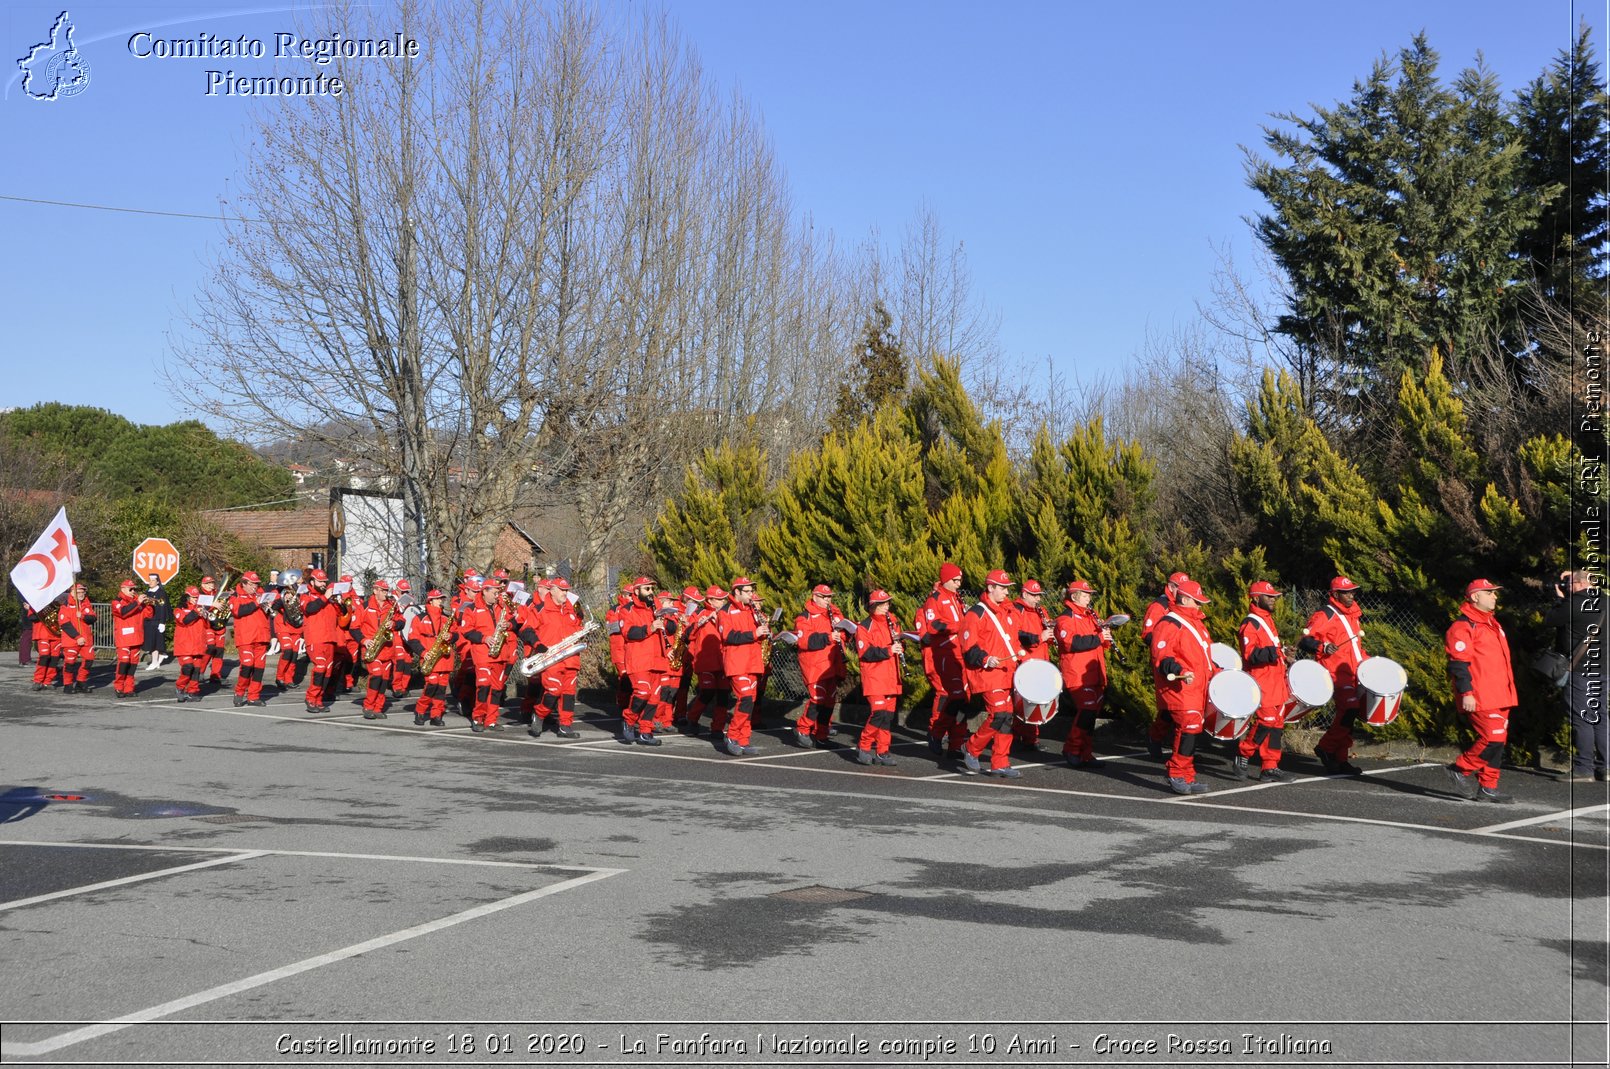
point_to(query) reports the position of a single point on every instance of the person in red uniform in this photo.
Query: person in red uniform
(530, 622)
(292, 645)
(1266, 661)
(480, 624)
(692, 609)
(47, 645)
(428, 625)
(1162, 727)
(402, 660)
(711, 689)
(1335, 638)
(669, 609)
(251, 639)
(213, 669)
(1182, 664)
(129, 614)
(617, 650)
(1483, 689)
(1035, 636)
(879, 645)
(991, 651)
(1082, 643)
(743, 631)
(377, 611)
(644, 627)
(821, 662)
(321, 616)
(559, 621)
(190, 644)
(939, 625)
(349, 643)
(76, 618)
(463, 685)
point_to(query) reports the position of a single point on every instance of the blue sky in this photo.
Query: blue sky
(1087, 155)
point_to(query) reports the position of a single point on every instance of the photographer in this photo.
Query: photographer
(1579, 616)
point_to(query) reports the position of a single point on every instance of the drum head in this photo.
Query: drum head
(1038, 682)
(1234, 694)
(1310, 683)
(1225, 656)
(1382, 675)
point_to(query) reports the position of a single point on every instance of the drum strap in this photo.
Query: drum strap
(1348, 627)
(1261, 622)
(1183, 622)
(996, 620)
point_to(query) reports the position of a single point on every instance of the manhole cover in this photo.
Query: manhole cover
(821, 895)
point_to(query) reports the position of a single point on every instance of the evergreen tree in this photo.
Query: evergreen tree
(969, 484)
(879, 375)
(704, 537)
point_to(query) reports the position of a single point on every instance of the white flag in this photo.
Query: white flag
(48, 568)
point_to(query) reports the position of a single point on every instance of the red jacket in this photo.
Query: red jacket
(320, 619)
(821, 646)
(704, 642)
(77, 620)
(479, 623)
(1161, 606)
(939, 626)
(981, 639)
(1031, 623)
(1261, 657)
(874, 644)
(1082, 653)
(128, 622)
(1340, 626)
(422, 633)
(645, 647)
(1180, 644)
(1478, 659)
(741, 654)
(557, 621)
(189, 631)
(251, 622)
(368, 618)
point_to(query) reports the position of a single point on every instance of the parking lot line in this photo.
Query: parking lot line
(230, 860)
(1307, 779)
(212, 994)
(1564, 814)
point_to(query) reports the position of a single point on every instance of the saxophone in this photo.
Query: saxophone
(438, 649)
(500, 633)
(382, 636)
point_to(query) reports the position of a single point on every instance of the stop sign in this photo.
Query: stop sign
(156, 556)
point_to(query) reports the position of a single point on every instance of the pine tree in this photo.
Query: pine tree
(704, 537)
(880, 374)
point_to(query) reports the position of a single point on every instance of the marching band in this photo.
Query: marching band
(990, 664)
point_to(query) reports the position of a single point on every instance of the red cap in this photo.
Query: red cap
(316, 575)
(949, 571)
(641, 580)
(250, 577)
(998, 578)
(1481, 584)
(1342, 582)
(1178, 577)
(692, 593)
(500, 575)
(742, 580)
(822, 589)
(381, 584)
(1076, 585)
(208, 579)
(403, 586)
(1263, 586)
(714, 593)
(1193, 590)
(1032, 586)
(432, 594)
(877, 596)
(192, 591)
(561, 582)
(470, 573)
(127, 584)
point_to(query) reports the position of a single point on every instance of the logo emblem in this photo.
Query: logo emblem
(54, 68)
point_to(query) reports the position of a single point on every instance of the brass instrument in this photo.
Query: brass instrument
(291, 607)
(51, 618)
(382, 637)
(500, 633)
(442, 647)
(566, 647)
(220, 611)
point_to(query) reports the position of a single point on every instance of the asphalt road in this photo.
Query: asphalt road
(201, 884)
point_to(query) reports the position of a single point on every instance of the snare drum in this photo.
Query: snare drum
(1311, 686)
(1225, 657)
(1038, 683)
(1382, 682)
(1233, 697)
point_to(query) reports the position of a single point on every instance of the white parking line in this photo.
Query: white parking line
(212, 994)
(18, 903)
(1564, 814)
(474, 862)
(1299, 780)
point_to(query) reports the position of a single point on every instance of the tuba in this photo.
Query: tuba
(291, 607)
(51, 618)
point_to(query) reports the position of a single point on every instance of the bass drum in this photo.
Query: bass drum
(1311, 686)
(1233, 697)
(1038, 683)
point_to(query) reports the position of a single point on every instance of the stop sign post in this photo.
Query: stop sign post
(156, 556)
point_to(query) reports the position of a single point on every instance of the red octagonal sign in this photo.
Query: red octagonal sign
(156, 556)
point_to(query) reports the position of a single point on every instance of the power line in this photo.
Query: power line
(133, 211)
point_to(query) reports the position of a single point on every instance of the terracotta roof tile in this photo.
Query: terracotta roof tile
(290, 528)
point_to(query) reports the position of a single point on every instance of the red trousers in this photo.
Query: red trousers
(1266, 740)
(740, 723)
(47, 655)
(249, 674)
(1083, 704)
(321, 660)
(817, 718)
(559, 694)
(1187, 729)
(995, 733)
(76, 662)
(1485, 757)
(490, 679)
(883, 710)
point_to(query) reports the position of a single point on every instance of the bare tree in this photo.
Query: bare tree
(541, 263)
